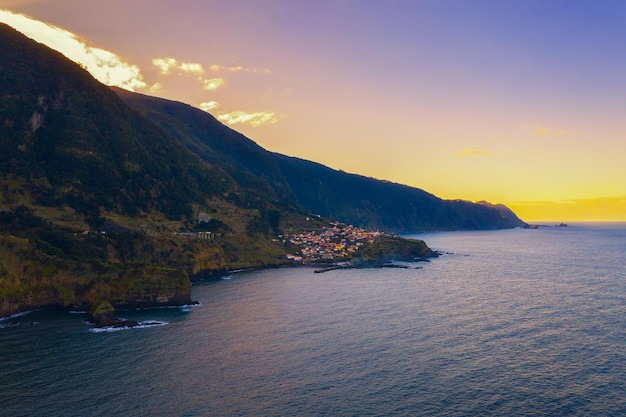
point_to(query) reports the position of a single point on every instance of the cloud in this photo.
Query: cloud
(540, 130)
(103, 65)
(239, 68)
(252, 119)
(209, 105)
(472, 152)
(167, 65)
(156, 88)
(192, 68)
(221, 68)
(212, 84)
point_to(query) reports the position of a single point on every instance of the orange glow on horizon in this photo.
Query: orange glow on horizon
(494, 124)
(588, 210)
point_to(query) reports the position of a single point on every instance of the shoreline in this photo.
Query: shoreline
(317, 268)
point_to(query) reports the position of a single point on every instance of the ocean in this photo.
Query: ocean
(505, 323)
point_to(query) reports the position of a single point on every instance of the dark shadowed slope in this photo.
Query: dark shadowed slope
(250, 165)
(353, 199)
(98, 203)
(76, 143)
(384, 205)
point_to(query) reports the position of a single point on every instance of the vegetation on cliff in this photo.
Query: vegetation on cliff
(98, 203)
(351, 199)
(102, 203)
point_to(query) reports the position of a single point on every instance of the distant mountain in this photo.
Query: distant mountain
(349, 198)
(376, 204)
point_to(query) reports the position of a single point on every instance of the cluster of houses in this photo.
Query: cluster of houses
(331, 243)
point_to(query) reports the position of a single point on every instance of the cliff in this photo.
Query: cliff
(121, 198)
(349, 198)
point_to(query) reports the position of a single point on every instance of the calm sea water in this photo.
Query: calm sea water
(514, 322)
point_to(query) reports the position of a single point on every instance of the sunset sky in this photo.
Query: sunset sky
(520, 102)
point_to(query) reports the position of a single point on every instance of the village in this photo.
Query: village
(330, 244)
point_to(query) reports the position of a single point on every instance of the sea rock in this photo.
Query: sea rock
(103, 316)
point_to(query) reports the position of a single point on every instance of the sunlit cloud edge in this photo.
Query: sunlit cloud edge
(255, 119)
(106, 66)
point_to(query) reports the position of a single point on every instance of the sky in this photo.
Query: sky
(519, 102)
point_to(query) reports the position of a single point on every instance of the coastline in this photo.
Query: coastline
(380, 253)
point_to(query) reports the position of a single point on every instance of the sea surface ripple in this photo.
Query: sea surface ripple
(513, 322)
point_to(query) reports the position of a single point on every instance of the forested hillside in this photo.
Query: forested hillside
(114, 197)
(98, 203)
(349, 198)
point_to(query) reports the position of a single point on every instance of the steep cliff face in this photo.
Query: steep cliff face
(131, 287)
(130, 299)
(155, 297)
(163, 288)
(349, 198)
(100, 203)
(30, 300)
(93, 195)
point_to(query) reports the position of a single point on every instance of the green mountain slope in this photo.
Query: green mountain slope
(375, 204)
(77, 143)
(353, 199)
(250, 165)
(97, 203)
(103, 203)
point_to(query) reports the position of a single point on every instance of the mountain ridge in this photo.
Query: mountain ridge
(350, 198)
(98, 203)
(104, 202)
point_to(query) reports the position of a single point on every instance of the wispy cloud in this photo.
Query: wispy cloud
(472, 152)
(540, 130)
(212, 84)
(170, 66)
(105, 66)
(192, 68)
(156, 88)
(167, 65)
(111, 69)
(252, 119)
(209, 105)
(238, 68)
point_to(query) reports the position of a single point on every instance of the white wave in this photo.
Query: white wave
(16, 315)
(194, 304)
(188, 307)
(142, 325)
